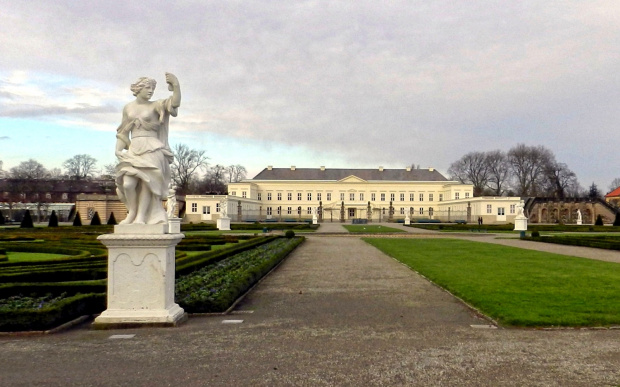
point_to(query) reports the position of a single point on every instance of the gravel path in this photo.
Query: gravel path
(337, 312)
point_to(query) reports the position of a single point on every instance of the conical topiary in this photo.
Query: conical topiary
(112, 219)
(1, 218)
(27, 221)
(53, 220)
(599, 221)
(77, 221)
(617, 220)
(95, 221)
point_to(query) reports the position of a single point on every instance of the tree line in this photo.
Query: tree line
(191, 172)
(522, 171)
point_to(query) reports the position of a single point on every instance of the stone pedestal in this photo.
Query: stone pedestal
(520, 223)
(315, 220)
(223, 224)
(407, 220)
(140, 277)
(174, 225)
(579, 222)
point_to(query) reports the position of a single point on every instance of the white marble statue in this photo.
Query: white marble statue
(520, 207)
(143, 170)
(224, 208)
(171, 203)
(579, 219)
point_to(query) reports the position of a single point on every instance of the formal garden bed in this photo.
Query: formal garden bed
(370, 229)
(215, 288)
(609, 242)
(510, 227)
(516, 287)
(42, 292)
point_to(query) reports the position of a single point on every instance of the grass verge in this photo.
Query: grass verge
(516, 287)
(370, 229)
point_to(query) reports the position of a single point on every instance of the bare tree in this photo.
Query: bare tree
(186, 163)
(236, 173)
(30, 170)
(499, 172)
(80, 167)
(528, 165)
(560, 180)
(471, 169)
(615, 183)
(28, 182)
(55, 173)
(214, 181)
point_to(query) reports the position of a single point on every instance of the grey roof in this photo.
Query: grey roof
(336, 174)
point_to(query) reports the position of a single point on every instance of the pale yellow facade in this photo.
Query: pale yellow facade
(351, 197)
(290, 199)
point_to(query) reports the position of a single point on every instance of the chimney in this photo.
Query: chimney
(380, 169)
(292, 167)
(322, 167)
(269, 167)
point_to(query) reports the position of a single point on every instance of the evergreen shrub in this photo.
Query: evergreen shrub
(599, 221)
(53, 220)
(77, 221)
(112, 219)
(27, 221)
(96, 220)
(289, 234)
(617, 220)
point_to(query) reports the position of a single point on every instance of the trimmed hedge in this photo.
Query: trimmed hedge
(599, 242)
(216, 287)
(55, 275)
(52, 316)
(189, 264)
(54, 288)
(510, 227)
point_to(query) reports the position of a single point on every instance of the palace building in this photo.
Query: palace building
(340, 194)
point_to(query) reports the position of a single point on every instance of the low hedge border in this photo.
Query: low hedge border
(189, 264)
(216, 287)
(55, 288)
(510, 227)
(49, 317)
(56, 275)
(600, 242)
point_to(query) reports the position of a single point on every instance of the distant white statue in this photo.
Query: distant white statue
(171, 203)
(143, 170)
(520, 207)
(224, 208)
(579, 219)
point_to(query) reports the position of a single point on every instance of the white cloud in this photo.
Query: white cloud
(365, 82)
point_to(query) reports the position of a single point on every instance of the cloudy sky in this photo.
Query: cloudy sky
(351, 84)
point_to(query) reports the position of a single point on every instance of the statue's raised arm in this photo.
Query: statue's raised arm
(143, 170)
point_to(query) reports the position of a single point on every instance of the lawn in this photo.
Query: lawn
(516, 287)
(370, 229)
(15, 256)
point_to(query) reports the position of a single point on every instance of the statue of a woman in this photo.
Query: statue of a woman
(143, 170)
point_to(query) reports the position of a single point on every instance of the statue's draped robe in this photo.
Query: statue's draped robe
(148, 157)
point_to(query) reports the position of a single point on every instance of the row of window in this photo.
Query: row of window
(48, 196)
(289, 211)
(360, 196)
(205, 209)
(501, 210)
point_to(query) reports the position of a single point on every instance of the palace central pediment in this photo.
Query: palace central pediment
(352, 179)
